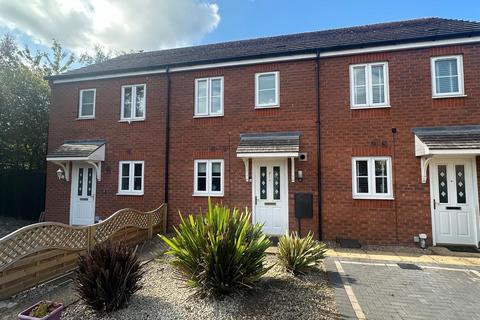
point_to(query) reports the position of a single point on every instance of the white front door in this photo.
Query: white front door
(270, 192)
(454, 202)
(82, 207)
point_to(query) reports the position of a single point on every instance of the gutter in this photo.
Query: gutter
(319, 167)
(167, 140)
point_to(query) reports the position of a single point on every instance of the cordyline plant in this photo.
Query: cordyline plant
(298, 254)
(218, 252)
(107, 276)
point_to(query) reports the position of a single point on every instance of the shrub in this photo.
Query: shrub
(219, 252)
(107, 276)
(298, 254)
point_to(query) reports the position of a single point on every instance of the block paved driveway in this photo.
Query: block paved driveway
(369, 289)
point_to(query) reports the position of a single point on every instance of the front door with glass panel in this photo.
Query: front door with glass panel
(270, 195)
(454, 214)
(82, 208)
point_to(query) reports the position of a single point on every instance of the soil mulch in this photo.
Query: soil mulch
(279, 295)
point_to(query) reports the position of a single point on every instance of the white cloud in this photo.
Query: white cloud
(115, 25)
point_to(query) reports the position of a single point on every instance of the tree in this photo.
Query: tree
(60, 60)
(99, 55)
(24, 100)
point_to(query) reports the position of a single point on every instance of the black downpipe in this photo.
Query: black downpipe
(167, 138)
(319, 167)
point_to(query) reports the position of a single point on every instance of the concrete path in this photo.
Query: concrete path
(393, 285)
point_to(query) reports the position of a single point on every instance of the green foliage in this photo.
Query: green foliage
(298, 254)
(108, 276)
(24, 101)
(42, 309)
(219, 252)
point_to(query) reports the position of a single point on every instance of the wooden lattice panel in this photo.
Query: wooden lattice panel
(41, 236)
(121, 219)
(42, 251)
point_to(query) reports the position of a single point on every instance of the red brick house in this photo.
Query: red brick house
(369, 133)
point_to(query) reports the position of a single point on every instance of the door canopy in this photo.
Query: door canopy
(90, 151)
(445, 141)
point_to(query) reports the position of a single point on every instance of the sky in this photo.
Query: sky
(147, 25)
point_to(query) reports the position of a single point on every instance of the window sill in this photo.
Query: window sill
(369, 107)
(131, 120)
(85, 118)
(207, 195)
(372, 198)
(268, 106)
(129, 194)
(208, 116)
(450, 96)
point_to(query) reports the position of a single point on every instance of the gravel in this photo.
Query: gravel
(279, 295)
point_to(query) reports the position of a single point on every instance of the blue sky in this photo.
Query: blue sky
(258, 18)
(161, 24)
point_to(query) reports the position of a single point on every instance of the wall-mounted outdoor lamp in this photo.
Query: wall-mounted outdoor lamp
(299, 175)
(60, 174)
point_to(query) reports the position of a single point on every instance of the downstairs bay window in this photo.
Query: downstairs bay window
(208, 178)
(372, 178)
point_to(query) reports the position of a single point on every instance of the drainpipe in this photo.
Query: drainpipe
(319, 167)
(167, 137)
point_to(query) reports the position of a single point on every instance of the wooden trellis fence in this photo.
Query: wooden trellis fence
(43, 251)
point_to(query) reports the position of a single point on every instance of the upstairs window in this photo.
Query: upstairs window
(372, 178)
(267, 90)
(369, 85)
(86, 109)
(208, 178)
(133, 102)
(447, 76)
(130, 178)
(209, 97)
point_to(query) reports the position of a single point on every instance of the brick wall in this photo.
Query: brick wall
(346, 133)
(142, 140)
(211, 138)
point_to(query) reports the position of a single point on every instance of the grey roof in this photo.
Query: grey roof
(327, 40)
(76, 148)
(269, 142)
(455, 137)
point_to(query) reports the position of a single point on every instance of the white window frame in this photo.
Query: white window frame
(275, 104)
(369, 90)
(371, 179)
(134, 97)
(131, 176)
(80, 104)
(461, 88)
(208, 192)
(209, 112)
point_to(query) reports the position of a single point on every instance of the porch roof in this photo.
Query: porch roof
(89, 150)
(285, 144)
(447, 140)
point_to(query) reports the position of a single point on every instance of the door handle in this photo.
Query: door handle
(256, 200)
(453, 208)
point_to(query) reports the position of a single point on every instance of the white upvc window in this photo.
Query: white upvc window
(208, 178)
(86, 105)
(130, 177)
(447, 76)
(372, 178)
(133, 102)
(369, 85)
(209, 97)
(267, 90)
